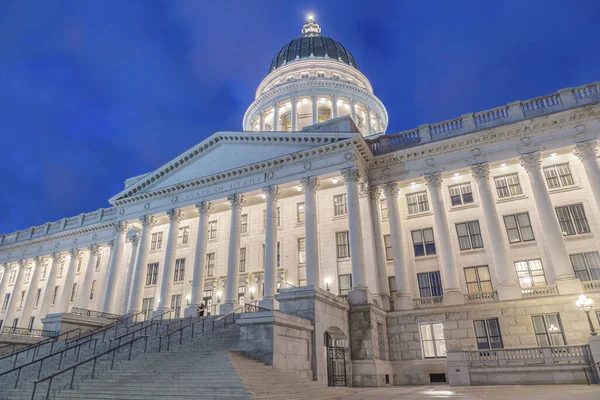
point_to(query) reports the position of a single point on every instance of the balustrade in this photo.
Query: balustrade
(425, 302)
(579, 354)
(591, 286)
(540, 291)
(481, 297)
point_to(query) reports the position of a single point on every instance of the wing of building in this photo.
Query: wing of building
(474, 233)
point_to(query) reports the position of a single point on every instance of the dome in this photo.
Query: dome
(312, 45)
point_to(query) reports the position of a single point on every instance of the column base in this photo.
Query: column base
(403, 302)
(382, 300)
(570, 286)
(192, 310)
(360, 296)
(508, 292)
(453, 297)
(160, 311)
(269, 303)
(226, 308)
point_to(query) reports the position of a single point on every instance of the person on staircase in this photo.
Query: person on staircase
(201, 308)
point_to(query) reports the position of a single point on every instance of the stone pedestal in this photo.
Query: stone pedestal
(569, 286)
(269, 304)
(453, 297)
(511, 292)
(403, 302)
(227, 308)
(65, 322)
(360, 296)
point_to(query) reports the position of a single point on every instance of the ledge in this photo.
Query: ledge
(511, 198)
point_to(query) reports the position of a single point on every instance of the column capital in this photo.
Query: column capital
(148, 221)
(294, 100)
(236, 200)
(434, 180)
(531, 161)
(351, 102)
(481, 172)
(314, 97)
(375, 192)
(120, 227)
(205, 207)
(175, 214)
(586, 150)
(390, 189)
(310, 183)
(74, 253)
(350, 174)
(22, 263)
(39, 260)
(134, 239)
(56, 257)
(94, 249)
(110, 244)
(272, 191)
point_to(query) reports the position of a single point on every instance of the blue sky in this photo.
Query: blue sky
(92, 92)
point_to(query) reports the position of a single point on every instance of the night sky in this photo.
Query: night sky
(94, 92)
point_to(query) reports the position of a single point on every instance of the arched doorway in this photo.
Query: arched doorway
(335, 347)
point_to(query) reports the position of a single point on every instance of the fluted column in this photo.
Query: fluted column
(30, 296)
(505, 271)
(204, 210)
(166, 288)
(557, 259)
(236, 201)
(587, 153)
(275, 117)
(53, 265)
(135, 241)
(268, 301)
(16, 293)
(4, 284)
(311, 185)
(315, 116)
(137, 290)
(447, 260)
(65, 297)
(334, 106)
(294, 114)
(83, 298)
(403, 300)
(114, 268)
(384, 289)
(369, 122)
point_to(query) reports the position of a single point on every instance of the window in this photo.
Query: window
(508, 185)
(93, 290)
(79, 263)
(151, 274)
(61, 268)
(12, 277)
(179, 270)
(572, 220)
(469, 235)
(73, 292)
(244, 223)
(43, 271)
(586, 266)
(176, 305)
(392, 285)
(38, 296)
(558, 176)
(212, 229)
(461, 194)
(301, 251)
(530, 273)
(304, 75)
(278, 218)
(55, 294)
(241, 294)
(156, 241)
(147, 307)
(300, 213)
(345, 284)
(387, 242)
(423, 243)
(183, 235)
(518, 228)
(27, 275)
(98, 261)
(417, 202)
(430, 284)
(548, 330)
(343, 244)
(15, 322)
(487, 333)
(432, 340)
(210, 264)
(340, 204)
(21, 299)
(320, 74)
(384, 209)
(207, 297)
(5, 302)
(31, 321)
(301, 282)
(478, 279)
(243, 259)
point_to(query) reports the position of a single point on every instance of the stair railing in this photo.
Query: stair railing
(132, 333)
(36, 346)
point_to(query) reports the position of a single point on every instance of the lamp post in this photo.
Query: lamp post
(585, 305)
(327, 283)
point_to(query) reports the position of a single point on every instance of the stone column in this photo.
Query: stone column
(384, 288)
(275, 117)
(353, 111)
(14, 297)
(5, 269)
(55, 260)
(204, 210)
(166, 288)
(268, 301)
(315, 116)
(31, 292)
(360, 292)
(88, 277)
(65, 297)
(137, 290)
(334, 106)
(506, 275)
(447, 260)
(236, 201)
(586, 152)
(294, 114)
(114, 268)
(135, 241)
(311, 185)
(557, 259)
(261, 116)
(403, 300)
(369, 122)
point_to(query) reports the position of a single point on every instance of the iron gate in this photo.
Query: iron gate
(336, 363)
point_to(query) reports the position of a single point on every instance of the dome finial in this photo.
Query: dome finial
(311, 28)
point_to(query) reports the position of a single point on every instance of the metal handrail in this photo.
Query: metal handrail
(132, 333)
(94, 358)
(162, 315)
(37, 345)
(132, 316)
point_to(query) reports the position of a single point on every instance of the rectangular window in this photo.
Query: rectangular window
(586, 266)
(73, 292)
(461, 194)
(343, 244)
(508, 185)
(392, 285)
(210, 264)
(27, 275)
(79, 263)
(5, 302)
(518, 228)
(301, 251)
(432, 340)
(31, 321)
(147, 307)
(151, 274)
(38, 296)
(176, 305)
(300, 213)
(487, 334)
(548, 330)
(530, 273)
(558, 176)
(212, 229)
(469, 235)
(21, 299)
(423, 242)
(93, 290)
(183, 235)
(243, 259)
(156, 241)
(383, 208)
(345, 284)
(55, 294)
(98, 261)
(387, 242)
(43, 271)
(417, 202)
(244, 223)
(12, 277)
(179, 270)
(572, 220)
(478, 279)
(278, 218)
(61, 268)
(207, 297)
(340, 204)
(430, 284)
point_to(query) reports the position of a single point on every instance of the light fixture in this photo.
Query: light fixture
(413, 183)
(219, 296)
(456, 175)
(334, 179)
(585, 304)
(310, 17)
(187, 299)
(327, 283)
(252, 290)
(264, 196)
(553, 154)
(322, 99)
(503, 165)
(299, 188)
(305, 101)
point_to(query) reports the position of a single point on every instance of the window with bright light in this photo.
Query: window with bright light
(301, 251)
(530, 273)
(478, 279)
(548, 330)
(432, 340)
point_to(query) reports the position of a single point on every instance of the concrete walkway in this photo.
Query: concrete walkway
(551, 392)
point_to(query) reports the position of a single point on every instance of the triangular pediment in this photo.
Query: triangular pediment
(226, 151)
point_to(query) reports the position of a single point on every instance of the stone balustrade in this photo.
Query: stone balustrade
(425, 302)
(481, 297)
(540, 291)
(591, 286)
(579, 354)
